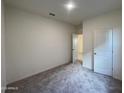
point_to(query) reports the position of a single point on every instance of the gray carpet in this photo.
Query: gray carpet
(69, 78)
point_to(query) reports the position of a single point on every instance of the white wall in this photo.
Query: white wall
(34, 43)
(3, 67)
(109, 20)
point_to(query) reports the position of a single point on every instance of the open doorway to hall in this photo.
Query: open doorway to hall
(80, 48)
(77, 48)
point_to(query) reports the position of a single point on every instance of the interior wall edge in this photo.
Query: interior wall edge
(3, 58)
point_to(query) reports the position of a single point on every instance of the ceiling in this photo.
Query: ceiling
(84, 8)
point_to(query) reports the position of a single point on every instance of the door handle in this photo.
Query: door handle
(94, 53)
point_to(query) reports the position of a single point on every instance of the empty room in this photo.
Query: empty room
(61, 46)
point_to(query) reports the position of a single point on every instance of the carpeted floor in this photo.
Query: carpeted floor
(69, 78)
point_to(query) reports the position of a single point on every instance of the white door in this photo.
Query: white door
(103, 51)
(74, 48)
(117, 53)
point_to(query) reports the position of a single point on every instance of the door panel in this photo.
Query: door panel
(103, 51)
(74, 48)
(117, 53)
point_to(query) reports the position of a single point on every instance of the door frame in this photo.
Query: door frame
(93, 48)
(77, 45)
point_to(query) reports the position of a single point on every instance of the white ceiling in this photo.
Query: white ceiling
(84, 8)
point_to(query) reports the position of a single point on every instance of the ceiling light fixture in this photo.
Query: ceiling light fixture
(70, 6)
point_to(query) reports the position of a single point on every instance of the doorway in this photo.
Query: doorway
(77, 48)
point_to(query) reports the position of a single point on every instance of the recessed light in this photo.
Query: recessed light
(70, 5)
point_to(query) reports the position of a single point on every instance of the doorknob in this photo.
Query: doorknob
(94, 53)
